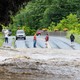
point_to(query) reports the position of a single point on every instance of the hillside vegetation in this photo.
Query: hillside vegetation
(49, 14)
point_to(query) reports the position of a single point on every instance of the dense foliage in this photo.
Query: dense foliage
(70, 23)
(39, 14)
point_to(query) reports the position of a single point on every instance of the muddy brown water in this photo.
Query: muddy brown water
(33, 70)
(5, 75)
(32, 64)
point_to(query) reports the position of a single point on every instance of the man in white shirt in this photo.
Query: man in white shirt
(6, 36)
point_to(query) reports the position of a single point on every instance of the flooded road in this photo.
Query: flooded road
(54, 43)
(39, 64)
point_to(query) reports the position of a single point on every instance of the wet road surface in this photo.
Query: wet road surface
(54, 42)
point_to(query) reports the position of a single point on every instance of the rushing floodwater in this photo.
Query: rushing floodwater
(39, 64)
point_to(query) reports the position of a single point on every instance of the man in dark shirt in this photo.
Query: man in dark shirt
(72, 38)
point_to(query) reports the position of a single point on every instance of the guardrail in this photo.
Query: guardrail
(57, 33)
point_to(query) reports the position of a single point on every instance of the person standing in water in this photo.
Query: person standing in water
(6, 33)
(46, 40)
(34, 41)
(72, 37)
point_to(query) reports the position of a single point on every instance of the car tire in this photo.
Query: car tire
(24, 38)
(16, 38)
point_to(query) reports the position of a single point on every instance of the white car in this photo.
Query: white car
(20, 34)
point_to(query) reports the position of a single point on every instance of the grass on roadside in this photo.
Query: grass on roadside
(1, 39)
(77, 38)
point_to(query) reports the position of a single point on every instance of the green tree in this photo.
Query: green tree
(41, 13)
(70, 22)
